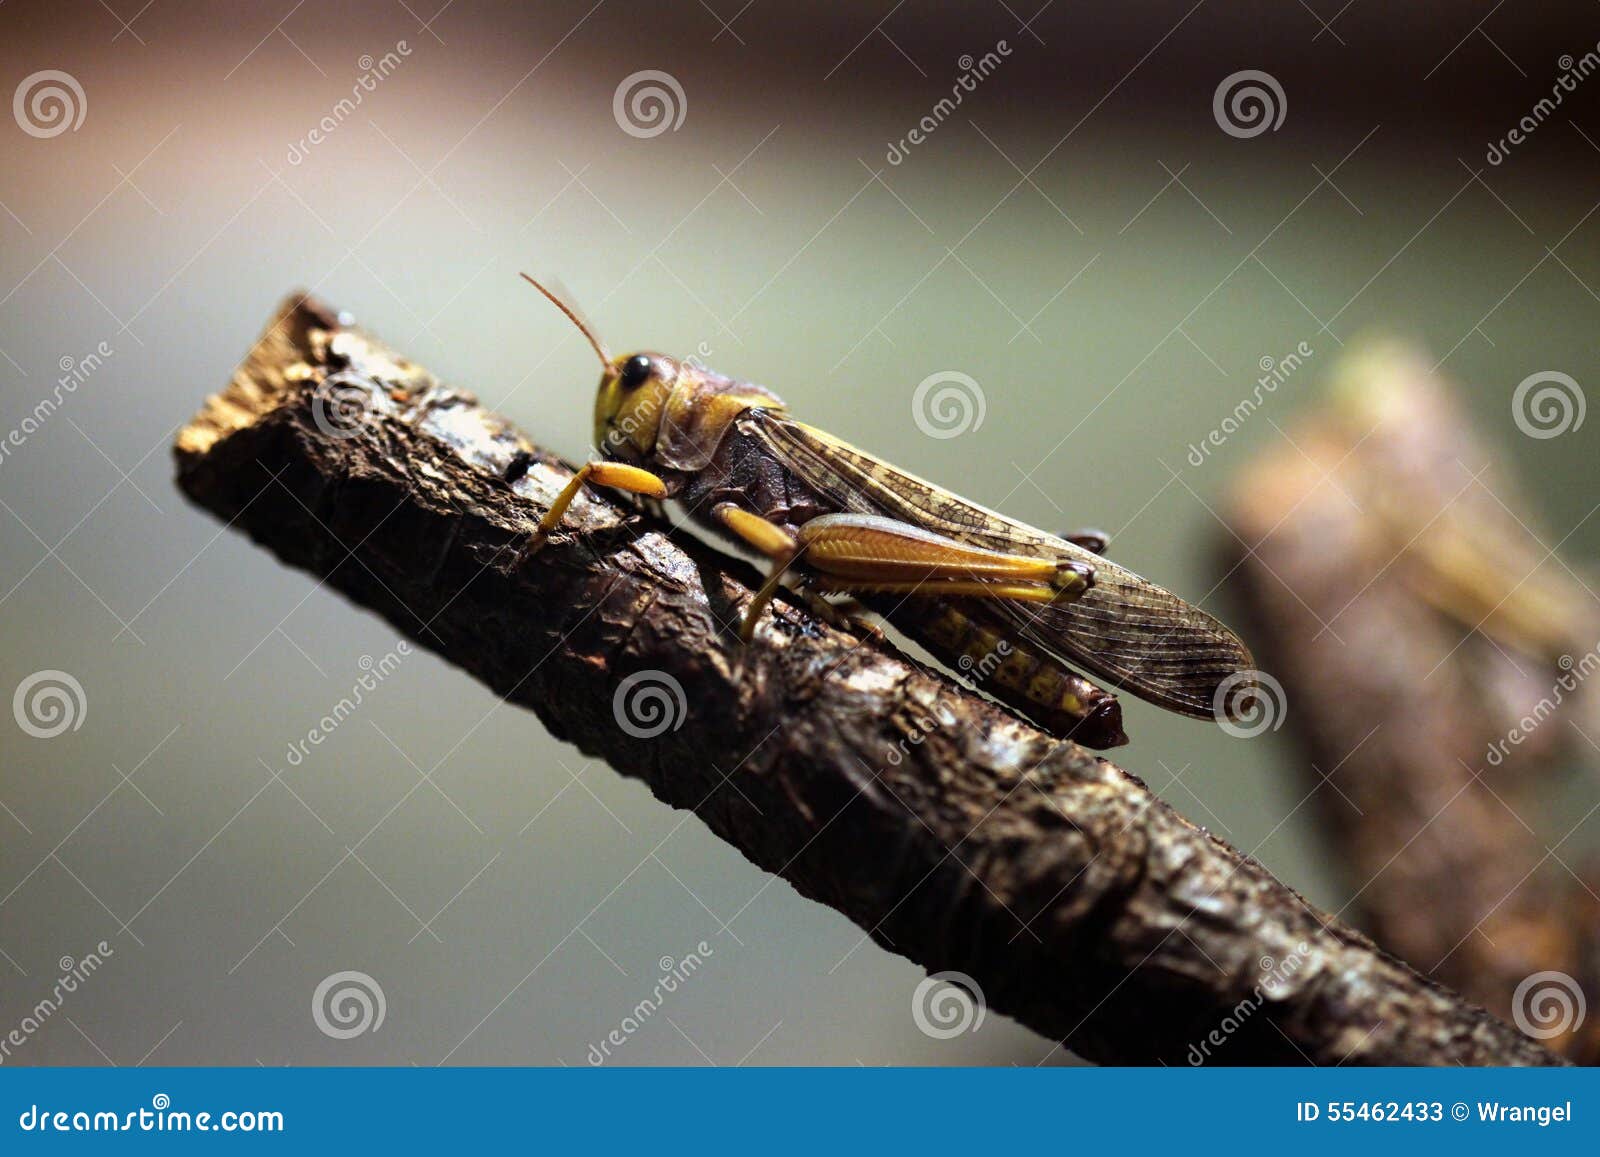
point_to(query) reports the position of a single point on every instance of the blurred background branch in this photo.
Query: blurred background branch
(1434, 667)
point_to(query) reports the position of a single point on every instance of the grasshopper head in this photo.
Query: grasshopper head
(660, 412)
(656, 410)
(633, 396)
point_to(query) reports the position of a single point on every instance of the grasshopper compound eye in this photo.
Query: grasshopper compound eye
(635, 372)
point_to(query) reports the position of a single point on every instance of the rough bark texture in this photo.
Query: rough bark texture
(949, 829)
(1432, 652)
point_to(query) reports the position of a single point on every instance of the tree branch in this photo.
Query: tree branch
(1445, 709)
(950, 830)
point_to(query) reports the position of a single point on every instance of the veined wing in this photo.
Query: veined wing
(1125, 630)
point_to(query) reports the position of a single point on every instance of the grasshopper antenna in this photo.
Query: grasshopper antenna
(572, 316)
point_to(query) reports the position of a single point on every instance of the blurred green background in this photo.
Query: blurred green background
(1081, 237)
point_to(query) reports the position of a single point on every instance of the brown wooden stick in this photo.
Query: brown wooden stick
(947, 828)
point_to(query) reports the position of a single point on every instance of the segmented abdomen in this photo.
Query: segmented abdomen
(987, 655)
